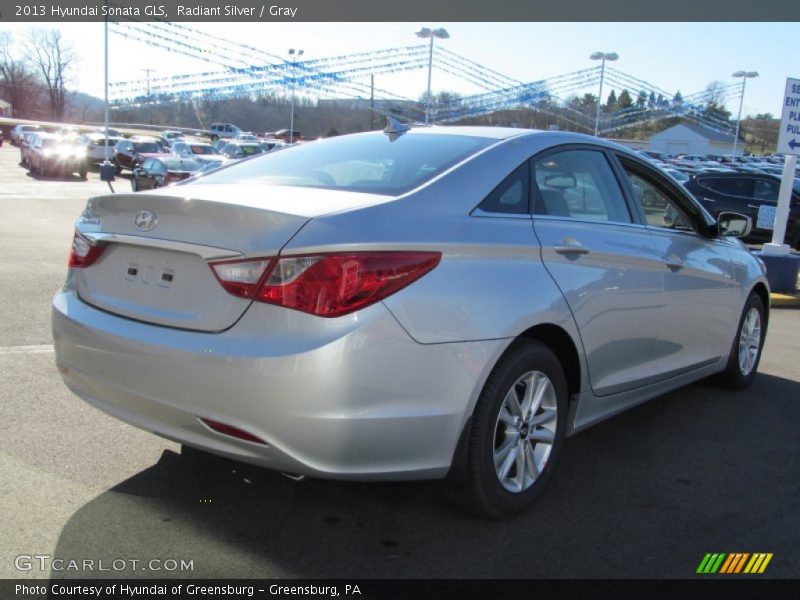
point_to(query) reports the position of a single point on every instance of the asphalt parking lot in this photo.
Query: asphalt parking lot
(645, 494)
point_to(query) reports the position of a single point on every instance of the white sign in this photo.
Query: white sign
(766, 216)
(789, 133)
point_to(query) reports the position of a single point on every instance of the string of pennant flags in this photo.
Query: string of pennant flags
(242, 70)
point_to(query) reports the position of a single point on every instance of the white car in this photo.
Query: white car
(20, 130)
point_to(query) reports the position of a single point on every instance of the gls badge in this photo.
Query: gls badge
(145, 220)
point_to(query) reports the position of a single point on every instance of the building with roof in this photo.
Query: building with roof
(690, 138)
(5, 108)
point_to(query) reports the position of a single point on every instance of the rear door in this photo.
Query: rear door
(605, 264)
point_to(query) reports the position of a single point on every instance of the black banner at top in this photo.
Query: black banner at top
(33, 11)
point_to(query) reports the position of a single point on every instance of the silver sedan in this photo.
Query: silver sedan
(425, 303)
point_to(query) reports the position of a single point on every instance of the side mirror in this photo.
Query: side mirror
(731, 224)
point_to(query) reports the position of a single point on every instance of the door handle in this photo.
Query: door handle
(570, 246)
(674, 262)
(756, 206)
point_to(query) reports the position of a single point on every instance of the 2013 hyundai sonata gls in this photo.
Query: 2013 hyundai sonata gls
(438, 302)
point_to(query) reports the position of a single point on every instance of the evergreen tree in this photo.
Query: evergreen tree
(624, 101)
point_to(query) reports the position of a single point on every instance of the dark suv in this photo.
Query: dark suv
(130, 154)
(745, 193)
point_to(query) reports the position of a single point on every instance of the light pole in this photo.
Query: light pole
(424, 33)
(745, 75)
(292, 53)
(602, 56)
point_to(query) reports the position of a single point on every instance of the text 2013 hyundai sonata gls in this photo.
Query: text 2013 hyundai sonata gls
(438, 302)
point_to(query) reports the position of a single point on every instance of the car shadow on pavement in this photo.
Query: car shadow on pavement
(60, 178)
(644, 494)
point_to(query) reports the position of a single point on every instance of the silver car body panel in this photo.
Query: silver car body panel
(385, 392)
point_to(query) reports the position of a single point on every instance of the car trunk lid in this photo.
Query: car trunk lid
(158, 271)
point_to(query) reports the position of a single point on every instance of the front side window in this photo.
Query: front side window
(765, 189)
(578, 184)
(730, 186)
(659, 208)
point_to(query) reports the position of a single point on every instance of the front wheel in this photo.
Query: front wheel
(747, 345)
(517, 430)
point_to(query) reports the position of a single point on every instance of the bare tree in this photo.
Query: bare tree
(17, 83)
(53, 57)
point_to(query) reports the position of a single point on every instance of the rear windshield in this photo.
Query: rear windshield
(147, 147)
(360, 163)
(203, 149)
(180, 164)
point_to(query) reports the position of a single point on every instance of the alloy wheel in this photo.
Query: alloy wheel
(749, 341)
(525, 431)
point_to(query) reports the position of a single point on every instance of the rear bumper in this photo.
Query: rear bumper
(351, 398)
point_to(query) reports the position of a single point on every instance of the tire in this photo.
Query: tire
(736, 375)
(134, 187)
(214, 138)
(119, 167)
(83, 171)
(498, 437)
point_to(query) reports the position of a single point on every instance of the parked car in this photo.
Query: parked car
(223, 131)
(51, 155)
(129, 154)
(270, 144)
(745, 193)
(416, 305)
(159, 172)
(19, 130)
(678, 176)
(25, 146)
(245, 136)
(238, 150)
(96, 145)
(168, 137)
(100, 131)
(202, 153)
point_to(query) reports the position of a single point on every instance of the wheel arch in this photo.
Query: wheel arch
(561, 343)
(761, 290)
(563, 346)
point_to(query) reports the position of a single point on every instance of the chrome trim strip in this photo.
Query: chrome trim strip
(205, 252)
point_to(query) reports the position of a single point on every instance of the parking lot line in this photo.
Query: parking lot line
(39, 349)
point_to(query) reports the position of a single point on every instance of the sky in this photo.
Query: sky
(672, 56)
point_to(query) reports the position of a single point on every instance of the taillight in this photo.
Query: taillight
(83, 252)
(327, 285)
(241, 278)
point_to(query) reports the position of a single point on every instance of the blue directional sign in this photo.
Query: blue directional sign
(789, 133)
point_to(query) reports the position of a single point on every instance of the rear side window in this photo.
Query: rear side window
(578, 184)
(511, 196)
(362, 163)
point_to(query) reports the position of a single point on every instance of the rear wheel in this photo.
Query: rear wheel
(516, 434)
(118, 166)
(134, 185)
(83, 171)
(747, 345)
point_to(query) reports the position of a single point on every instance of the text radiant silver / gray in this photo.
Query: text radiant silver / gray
(443, 302)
